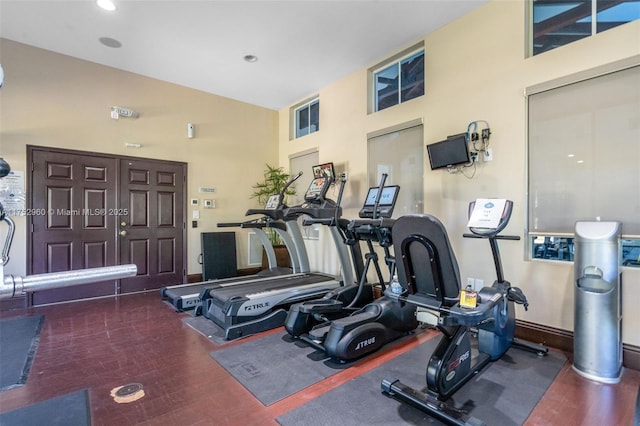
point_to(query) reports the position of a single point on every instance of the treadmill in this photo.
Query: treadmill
(260, 305)
(187, 296)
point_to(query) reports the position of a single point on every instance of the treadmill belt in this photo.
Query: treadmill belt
(225, 293)
(176, 293)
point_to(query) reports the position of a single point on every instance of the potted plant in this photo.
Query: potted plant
(275, 179)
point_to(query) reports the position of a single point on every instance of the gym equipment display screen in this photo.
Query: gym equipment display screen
(450, 152)
(386, 203)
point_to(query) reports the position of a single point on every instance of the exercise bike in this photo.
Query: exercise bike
(430, 278)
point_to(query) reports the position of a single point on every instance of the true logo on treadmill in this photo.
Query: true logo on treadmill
(256, 306)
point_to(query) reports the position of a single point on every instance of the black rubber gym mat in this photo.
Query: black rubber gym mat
(504, 393)
(67, 410)
(274, 367)
(19, 339)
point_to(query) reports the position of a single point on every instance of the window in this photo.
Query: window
(398, 152)
(399, 81)
(561, 248)
(584, 159)
(555, 23)
(307, 118)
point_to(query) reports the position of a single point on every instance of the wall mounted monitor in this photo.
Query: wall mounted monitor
(450, 152)
(322, 170)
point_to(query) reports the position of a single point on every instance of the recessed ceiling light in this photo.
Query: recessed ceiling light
(250, 58)
(106, 5)
(110, 42)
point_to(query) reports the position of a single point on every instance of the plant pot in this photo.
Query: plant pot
(282, 257)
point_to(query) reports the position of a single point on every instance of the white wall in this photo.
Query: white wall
(475, 69)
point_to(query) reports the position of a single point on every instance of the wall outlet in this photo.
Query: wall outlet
(488, 154)
(479, 284)
(471, 282)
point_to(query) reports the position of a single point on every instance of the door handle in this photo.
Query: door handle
(123, 233)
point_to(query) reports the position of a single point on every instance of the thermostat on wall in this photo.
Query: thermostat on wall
(209, 204)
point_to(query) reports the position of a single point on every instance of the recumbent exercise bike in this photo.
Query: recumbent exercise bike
(429, 274)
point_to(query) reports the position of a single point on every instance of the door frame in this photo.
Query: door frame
(31, 192)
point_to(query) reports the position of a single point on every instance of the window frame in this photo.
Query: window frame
(309, 103)
(396, 60)
(592, 20)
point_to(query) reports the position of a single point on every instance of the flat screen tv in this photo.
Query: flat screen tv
(324, 170)
(450, 152)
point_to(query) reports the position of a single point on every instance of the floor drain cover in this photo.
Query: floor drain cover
(127, 393)
(129, 389)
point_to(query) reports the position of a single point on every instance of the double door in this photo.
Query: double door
(96, 210)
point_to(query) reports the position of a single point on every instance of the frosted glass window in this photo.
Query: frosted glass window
(584, 154)
(399, 153)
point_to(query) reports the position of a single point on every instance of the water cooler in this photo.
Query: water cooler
(597, 338)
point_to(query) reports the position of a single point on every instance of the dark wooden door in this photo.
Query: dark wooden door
(152, 223)
(69, 194)
(81, 202)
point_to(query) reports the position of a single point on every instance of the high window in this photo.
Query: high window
(398, 81)
(555, 23)
(307, 118)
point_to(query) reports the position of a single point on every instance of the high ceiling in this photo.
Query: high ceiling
(301, 45)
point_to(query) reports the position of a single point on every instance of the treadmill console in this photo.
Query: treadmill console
(386, 203)
(323, 177)
(273, 202)
(316, 190)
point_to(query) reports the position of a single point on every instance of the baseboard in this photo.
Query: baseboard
(13, 303)
(563, 340)
(194, 278)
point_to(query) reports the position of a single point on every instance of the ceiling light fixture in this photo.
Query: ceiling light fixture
(251, 58)
(106, 5)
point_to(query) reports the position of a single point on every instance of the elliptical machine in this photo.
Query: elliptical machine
(374, 225)
(431, 279)
(350, 331)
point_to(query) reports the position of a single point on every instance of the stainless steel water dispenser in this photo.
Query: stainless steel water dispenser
(597, 338)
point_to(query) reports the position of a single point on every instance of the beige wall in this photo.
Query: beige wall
(475, 69)
(58, 101)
